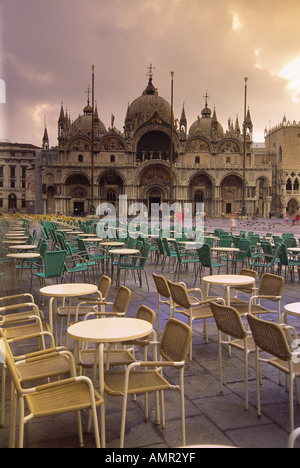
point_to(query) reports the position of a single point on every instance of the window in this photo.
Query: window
(12, 172)
(80, 158)
(289, 185)
(112, 158)
(197, 160)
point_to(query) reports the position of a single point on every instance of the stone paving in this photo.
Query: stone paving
(211, 418)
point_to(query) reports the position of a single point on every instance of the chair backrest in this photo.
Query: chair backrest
(10, 362)
(225, 241)
(252, 274)
(244, 245)
(162, 285)
(176, 340)
(122, 300)
(228, 321)
(104, 286)
(147, 314)
(160, 245)
(204, 255)
(55, 263)
(271, 285)
(166, 246)
(269, 337)
(145, 254)
(179, 294)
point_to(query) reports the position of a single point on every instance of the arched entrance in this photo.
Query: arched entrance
(292, 207)
(201, 192)
(78, 191)
(154, 185)
(155, 195)
(111, 186)
(231, 194)
(12, 202)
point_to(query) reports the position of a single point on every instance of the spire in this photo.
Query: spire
(237, 126)
(183, 120)
(45, 145)
(62, 114)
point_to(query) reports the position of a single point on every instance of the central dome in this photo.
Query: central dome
(203, 126)
(145, 106)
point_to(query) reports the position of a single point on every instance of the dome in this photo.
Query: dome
(145, 106)
(204, 125)
(83, 124)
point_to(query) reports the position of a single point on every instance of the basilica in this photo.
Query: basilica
(158, 158)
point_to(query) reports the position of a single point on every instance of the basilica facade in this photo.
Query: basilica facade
(207, 162)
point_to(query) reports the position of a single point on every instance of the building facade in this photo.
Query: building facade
(283, 147)
(20, 177)
(207, 162)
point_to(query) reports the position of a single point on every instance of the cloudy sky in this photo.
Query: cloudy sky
(49, 46)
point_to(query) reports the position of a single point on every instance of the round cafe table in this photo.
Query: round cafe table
(120, 253)
(228, 281)
(64, 290)
(22, 247)
(228, 251)
(101, 332)
(23, 256)
(291, 309)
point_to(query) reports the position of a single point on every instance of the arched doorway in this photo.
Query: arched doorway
(231, 194)
(154, 185)
(78, 190)
(155, 195)
(111, 186)
(292, 207)
(201, 192)
(12, 202)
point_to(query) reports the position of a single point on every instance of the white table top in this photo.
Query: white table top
(92, 239)
(69, 290)
(229, 280)
(110, 330)
(112, 244)
(12, 242)
(22, 247)
(23, 255)
(294, 249)
(293, 308)
(124, 251)
(226, 249)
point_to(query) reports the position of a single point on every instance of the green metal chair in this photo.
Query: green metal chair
(183, 260)
(287, 262)
(170, 253)
(53, 266)
(205, 259)
(138, 264)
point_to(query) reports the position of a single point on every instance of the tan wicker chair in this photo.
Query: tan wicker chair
(271, 338)
(119, 356)
(72, 310)
(163, 290)
(173, 351)
(270, 289)
(69, 395)
(200, 310)
(229, 322)
(244, 289)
